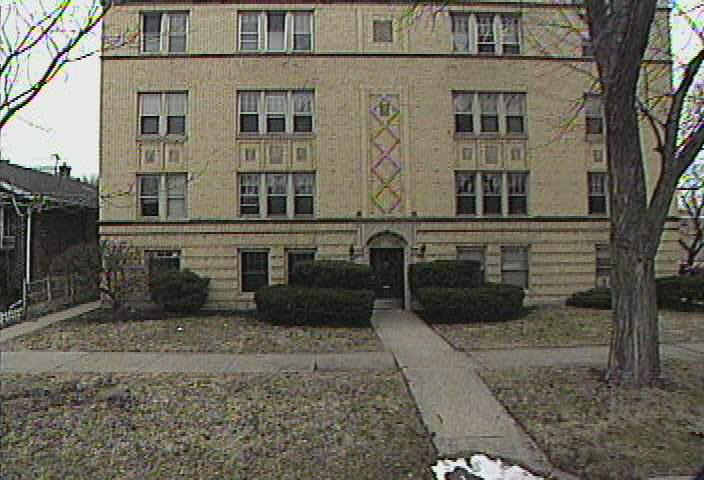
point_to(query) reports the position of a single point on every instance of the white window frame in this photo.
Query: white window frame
(165, 34)
(470, 28)
(505, 194)
(289, 113)
(460, 191)
(163, 196)
(502, 114)
(507, 45)
(522, 266)
(289, 45)
(263, 195)
(246, 251)
(593, 193)
(163, 114)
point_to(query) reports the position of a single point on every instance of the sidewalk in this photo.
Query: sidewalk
(459, 410)
(31, 325)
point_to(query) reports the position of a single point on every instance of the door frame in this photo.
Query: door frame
(401, 254)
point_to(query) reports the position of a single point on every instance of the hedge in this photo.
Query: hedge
(337, 274)
(290, 304)
(445, 274)
(490, 302)
(598, 298)
(676, 292)
(180, 291)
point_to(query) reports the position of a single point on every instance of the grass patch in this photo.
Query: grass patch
(604, 433)
(284, 426)
(222, 333)
(559, 326)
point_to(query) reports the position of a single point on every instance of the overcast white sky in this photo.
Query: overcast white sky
(63, 119)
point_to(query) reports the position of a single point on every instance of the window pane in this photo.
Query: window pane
(485, 34)
(382, 31)
(177, 43)
(276, 205)
(514, 125)
(275, 27)
(301, 22)
(517, 183)
(177, 23)
(152, 22)
(464, 123)
(490, 123)
(149, 207)
(249, 102)
(150, 103)
(176, 208)
(488, 103)
(492, 205)
(463, 102)
(303, 205)
(276, 124)
(519, 279)
(149, 126)
(466, 205)
(517, 205)
(302, 124)
(492, 184)
(460, 32)
(149, 186)
(303, 183)
(464, 183)
(276, 184)
(255, 271)
(515, 103)
(152, 42)
(176, 185)
(176, 103)
(250, 22)
(301, 42)
(176, 125)
(597, 204)
(276, 102)
(249, 123)
(303, 102)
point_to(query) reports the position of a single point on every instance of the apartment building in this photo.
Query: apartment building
(238, 138)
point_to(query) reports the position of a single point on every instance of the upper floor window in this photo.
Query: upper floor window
(593, 113)
(496, 113)
(163, 113)
(382, 31)
(491, 193)
(598, 193)
(162, 195)
(276, 111)
(487, 33)
(165, 32)
(276, 31)
(276, 194)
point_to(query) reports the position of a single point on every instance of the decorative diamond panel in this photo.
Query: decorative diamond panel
(386, 166)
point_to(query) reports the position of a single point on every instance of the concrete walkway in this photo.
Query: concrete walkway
(29, 326)
(457, 407)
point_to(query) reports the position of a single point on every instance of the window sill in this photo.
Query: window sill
(163, 54)
(274, 52)
(490, 136)
(275, 136)
(163, 138)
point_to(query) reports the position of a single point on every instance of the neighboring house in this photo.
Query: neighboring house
(238, 138)
(53, 211)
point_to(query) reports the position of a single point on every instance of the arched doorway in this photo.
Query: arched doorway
(387, 259)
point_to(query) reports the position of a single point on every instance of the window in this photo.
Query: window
(382, 31)
(597, 193)
(510, 34)
(490, 113)
(475, 254)
(486, 33)
(296, 257)
(164, 32)
(603, 265)
(277, 112)
(282, 194)
(162, 196)
(514, 104)
(517, 193)
(587, 46)
(162, 261)
(514, 266)
(276, 31)
(162, 113)
(593, 113)
(494, 198)
(255, 270)
(486, 40)
(465, 184)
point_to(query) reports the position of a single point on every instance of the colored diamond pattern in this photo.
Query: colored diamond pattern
(386, 167)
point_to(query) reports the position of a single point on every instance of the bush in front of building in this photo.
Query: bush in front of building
(682, 292)
(597, 298)
(297, 305)
(182, 291)
(445, 274)
(491, 302)
(338, 274)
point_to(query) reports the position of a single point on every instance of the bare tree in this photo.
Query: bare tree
(620, 31)
(38, 38)
(692, 201)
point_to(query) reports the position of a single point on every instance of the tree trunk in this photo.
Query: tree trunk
(634, 357)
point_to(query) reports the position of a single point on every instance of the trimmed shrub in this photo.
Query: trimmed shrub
(181, 291)
(598, 298)
(445, 274)
(491, 302)
(338, 274)
(290, 304)
(680, 292)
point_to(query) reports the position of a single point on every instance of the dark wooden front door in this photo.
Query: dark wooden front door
(387, 264)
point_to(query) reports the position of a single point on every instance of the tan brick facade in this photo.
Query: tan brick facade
(383, 149)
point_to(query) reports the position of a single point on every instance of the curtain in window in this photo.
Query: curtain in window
(249, 102)
(303, 102)
(515, 103)
(177, 32)
(485, 28)
(460, 32)
(464, 183)
(276, 184)
(509, 29)
(303, 183)
(463, 102)
(276, 103)
(151, 104)
(176, 193)
(489, 103)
